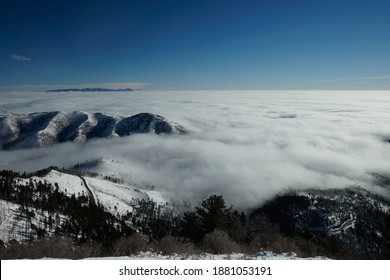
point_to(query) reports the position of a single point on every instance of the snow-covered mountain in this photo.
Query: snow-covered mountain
(18, 131)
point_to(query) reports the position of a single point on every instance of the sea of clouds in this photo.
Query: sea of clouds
(245, 145)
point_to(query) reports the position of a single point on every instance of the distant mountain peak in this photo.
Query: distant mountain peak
(47, 128)
(88, 90)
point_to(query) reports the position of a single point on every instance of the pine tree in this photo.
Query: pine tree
(191, 227)
(213, 213)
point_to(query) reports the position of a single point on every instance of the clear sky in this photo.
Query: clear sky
(195, 44)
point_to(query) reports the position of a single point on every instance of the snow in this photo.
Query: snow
(9, 226)
(71, 183)
(124, 197)
(47, 128)
(109, 194)
(113, 204)
(264, 255)
(14, 225)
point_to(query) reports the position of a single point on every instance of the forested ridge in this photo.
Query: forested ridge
(289, 223)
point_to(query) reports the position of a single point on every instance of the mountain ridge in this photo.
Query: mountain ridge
(89, 90)
(43, 129)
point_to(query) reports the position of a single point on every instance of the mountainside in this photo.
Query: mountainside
(117, 198)
(48, 128)
(353, 220)
(50, 203)
(349, 223)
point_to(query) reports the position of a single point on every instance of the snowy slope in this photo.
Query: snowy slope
(15, 225)
(109, 194)
(9, 226)
(68, 183)
(115, 198)
(47, 128)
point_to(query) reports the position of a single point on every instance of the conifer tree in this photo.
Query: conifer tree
(213, 213)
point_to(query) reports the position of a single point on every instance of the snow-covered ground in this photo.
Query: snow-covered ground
(14, 225)
(67, 183)
(264, 255)
(8, 225)
(116, 198)
(123, 197)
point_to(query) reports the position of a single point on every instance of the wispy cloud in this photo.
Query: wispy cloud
(20, 57)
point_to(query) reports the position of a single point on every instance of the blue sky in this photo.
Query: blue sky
(178, 44)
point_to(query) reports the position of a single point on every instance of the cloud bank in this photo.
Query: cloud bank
(245, 145)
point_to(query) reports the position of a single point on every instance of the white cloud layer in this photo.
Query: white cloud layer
(19, 57)
(246, 145)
